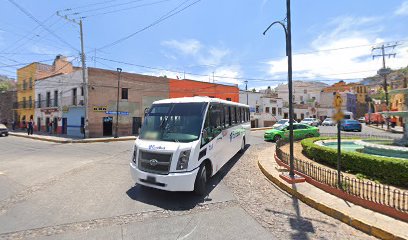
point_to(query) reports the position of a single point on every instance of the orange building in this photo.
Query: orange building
(191, 88)
(341, 86)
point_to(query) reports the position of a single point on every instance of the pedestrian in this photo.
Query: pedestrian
(393, 122)
(30, 128)
(50, 127)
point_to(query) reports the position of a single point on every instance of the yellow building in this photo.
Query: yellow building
(361, 92)
(26, 77)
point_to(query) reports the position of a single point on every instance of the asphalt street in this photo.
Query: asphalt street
(84, 191)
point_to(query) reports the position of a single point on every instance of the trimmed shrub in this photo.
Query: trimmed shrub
(391, 171)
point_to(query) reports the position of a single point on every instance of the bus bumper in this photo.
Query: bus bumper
(174, 182)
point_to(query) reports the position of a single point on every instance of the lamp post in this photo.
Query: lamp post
(117, 105)
(288, 35)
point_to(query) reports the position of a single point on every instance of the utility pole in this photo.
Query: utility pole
(288, 33)
(246, 90)
(385, 71)
(84, 79)
(117, 105)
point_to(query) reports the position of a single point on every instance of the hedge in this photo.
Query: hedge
(391, 171)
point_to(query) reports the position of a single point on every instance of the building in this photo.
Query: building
(59, 106)
(191, 88)
(136, 94)
(341, 86)
(26, 76)
(7, 99)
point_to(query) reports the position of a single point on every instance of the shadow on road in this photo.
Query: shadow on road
(181, 201)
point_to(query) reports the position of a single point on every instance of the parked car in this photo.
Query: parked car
(362, 119)
(351, 125)
(311, 121)
(282, 122)
(329, 122)
(300, 131)
(376, 118)
(3, 130)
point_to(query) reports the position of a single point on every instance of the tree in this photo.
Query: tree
(253, 90)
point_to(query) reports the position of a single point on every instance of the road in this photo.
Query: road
(84, 191)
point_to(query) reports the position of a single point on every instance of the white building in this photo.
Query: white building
(303, 92)
(59, 104)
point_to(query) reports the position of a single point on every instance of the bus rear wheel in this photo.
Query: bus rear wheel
(200, 185)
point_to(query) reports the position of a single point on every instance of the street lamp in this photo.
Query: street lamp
(117, 105)
(288, 36)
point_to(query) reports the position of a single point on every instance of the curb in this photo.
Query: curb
(385, 130)
(72, 140)
(360, 225)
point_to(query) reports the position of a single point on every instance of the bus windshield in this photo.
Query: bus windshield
(176, 122)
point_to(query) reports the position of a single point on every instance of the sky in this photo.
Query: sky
(209, 40)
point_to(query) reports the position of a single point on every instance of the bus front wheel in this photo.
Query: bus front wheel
(200, 185)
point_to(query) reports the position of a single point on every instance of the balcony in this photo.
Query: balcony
(23, 105)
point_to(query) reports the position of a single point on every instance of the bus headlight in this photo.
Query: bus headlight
(134, 155)
(182, 162)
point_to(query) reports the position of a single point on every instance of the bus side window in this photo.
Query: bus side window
(207, 133)
(233, 115)
(215, 119)
(227, 116)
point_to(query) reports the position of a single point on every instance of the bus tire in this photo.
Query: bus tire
(243, 144)
(200, 185)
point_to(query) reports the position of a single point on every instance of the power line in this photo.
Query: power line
(88, 5)
(41, 24)
(125, 9)
(161, 19)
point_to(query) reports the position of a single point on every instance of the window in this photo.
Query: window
(239, 119)
(24, 103)
(257, 109)
(227, 116)
(30, 84)
(233, 115)
(267, 109)
(274, 111)
(55, 98)
(280, 111)
(48, 99)
(39, 100)
(24, 84)
(228, 99)
(74, 96)
(82, 91)
(125, 93)
(302, 116)
(30, 102)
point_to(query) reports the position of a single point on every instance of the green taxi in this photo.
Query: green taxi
(300, 131)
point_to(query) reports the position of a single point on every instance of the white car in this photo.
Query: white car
(3, 130)
(311, 121)
(282, 122)
(328, 122)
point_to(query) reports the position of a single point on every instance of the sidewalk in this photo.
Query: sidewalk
(397, 129)
(58, 139)
(368, 221)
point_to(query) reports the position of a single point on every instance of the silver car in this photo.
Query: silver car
(328, 122)
(311, 122)
(3, 130)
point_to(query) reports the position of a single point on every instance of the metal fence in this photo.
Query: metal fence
(364, 189)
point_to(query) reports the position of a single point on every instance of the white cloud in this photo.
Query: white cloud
(346, 63)
(213, 56)
(187, 47)
(48, 50)
(402, 10)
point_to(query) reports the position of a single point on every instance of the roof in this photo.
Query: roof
(197, 99)
(49, 76)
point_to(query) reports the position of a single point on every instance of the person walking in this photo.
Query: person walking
(30, 128)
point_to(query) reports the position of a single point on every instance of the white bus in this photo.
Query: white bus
(185, 141)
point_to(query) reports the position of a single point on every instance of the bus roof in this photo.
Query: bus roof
(198, 99)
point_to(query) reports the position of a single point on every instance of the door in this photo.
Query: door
(137, 124)
(107, 126)
(47, 124)
(64, 126)
(55, 125)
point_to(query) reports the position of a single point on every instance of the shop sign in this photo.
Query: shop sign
(100, 108)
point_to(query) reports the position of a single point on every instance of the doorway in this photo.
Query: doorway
(107, 126)
(39, 124)
(47, 124)
(64, 126)
(137, 124)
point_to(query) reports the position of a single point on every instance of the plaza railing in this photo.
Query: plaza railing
(364, 189)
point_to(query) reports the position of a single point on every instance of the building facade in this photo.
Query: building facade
(136, 94)
(59, 106)
(26, 77)
(7, 99)
(191, 88)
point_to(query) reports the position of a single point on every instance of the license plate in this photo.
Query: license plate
(151, 179)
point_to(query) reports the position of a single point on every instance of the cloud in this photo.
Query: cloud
(48, 50)
(187, 47)
(345, 63)
(402, 10)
